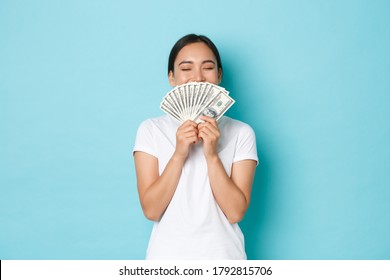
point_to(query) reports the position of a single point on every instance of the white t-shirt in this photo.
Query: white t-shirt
(193, 226)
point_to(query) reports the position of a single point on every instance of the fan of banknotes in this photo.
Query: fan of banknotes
(192, 100)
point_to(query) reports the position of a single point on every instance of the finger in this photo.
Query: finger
(188, 127)
(209, 120)
(188, 130)
(188, 139)
(206, 138)
(210, 127)
(188, 123)
(206, 132)
(187, 134)
(190, 134)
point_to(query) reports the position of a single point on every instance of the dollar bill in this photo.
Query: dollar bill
(192, 100)
(216, 107)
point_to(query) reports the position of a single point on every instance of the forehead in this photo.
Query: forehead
(195, 52)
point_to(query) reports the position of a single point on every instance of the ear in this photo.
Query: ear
(219, 75)
(171, 78)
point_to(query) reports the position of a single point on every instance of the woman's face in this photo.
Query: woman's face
(195, 63)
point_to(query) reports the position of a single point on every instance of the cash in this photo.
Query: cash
(192, 100)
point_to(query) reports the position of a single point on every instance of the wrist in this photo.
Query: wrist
(210, 159)
(178, 158)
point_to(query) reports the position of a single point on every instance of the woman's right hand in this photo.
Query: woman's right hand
(186, 135)
(155, 190)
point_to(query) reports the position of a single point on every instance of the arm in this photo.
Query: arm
(156, 191)
(231, 193)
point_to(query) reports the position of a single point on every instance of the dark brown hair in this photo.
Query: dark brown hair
(189, 39)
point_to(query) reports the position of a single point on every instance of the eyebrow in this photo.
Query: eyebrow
(191, 62)
(208, 61)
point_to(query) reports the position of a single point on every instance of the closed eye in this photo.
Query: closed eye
(209, 65)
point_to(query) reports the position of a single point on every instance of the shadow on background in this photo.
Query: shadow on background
(235, 80)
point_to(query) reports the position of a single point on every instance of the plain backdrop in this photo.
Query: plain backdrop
(311, 77)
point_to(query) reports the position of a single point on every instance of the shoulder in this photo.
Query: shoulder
(159, 127)
(234, 126)
(161, 121)
(241, 136)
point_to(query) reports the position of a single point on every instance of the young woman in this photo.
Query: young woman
(195, 180)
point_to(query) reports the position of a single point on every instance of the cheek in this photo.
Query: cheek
(180, 78)
(212, 77)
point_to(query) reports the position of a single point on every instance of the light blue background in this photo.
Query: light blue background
(311, 78)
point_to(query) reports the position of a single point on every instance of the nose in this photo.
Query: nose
(199, 77)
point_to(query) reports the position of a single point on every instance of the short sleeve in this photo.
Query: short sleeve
(144, 140)
(246, 145)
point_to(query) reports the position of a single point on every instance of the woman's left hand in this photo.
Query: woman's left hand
(209, 133)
